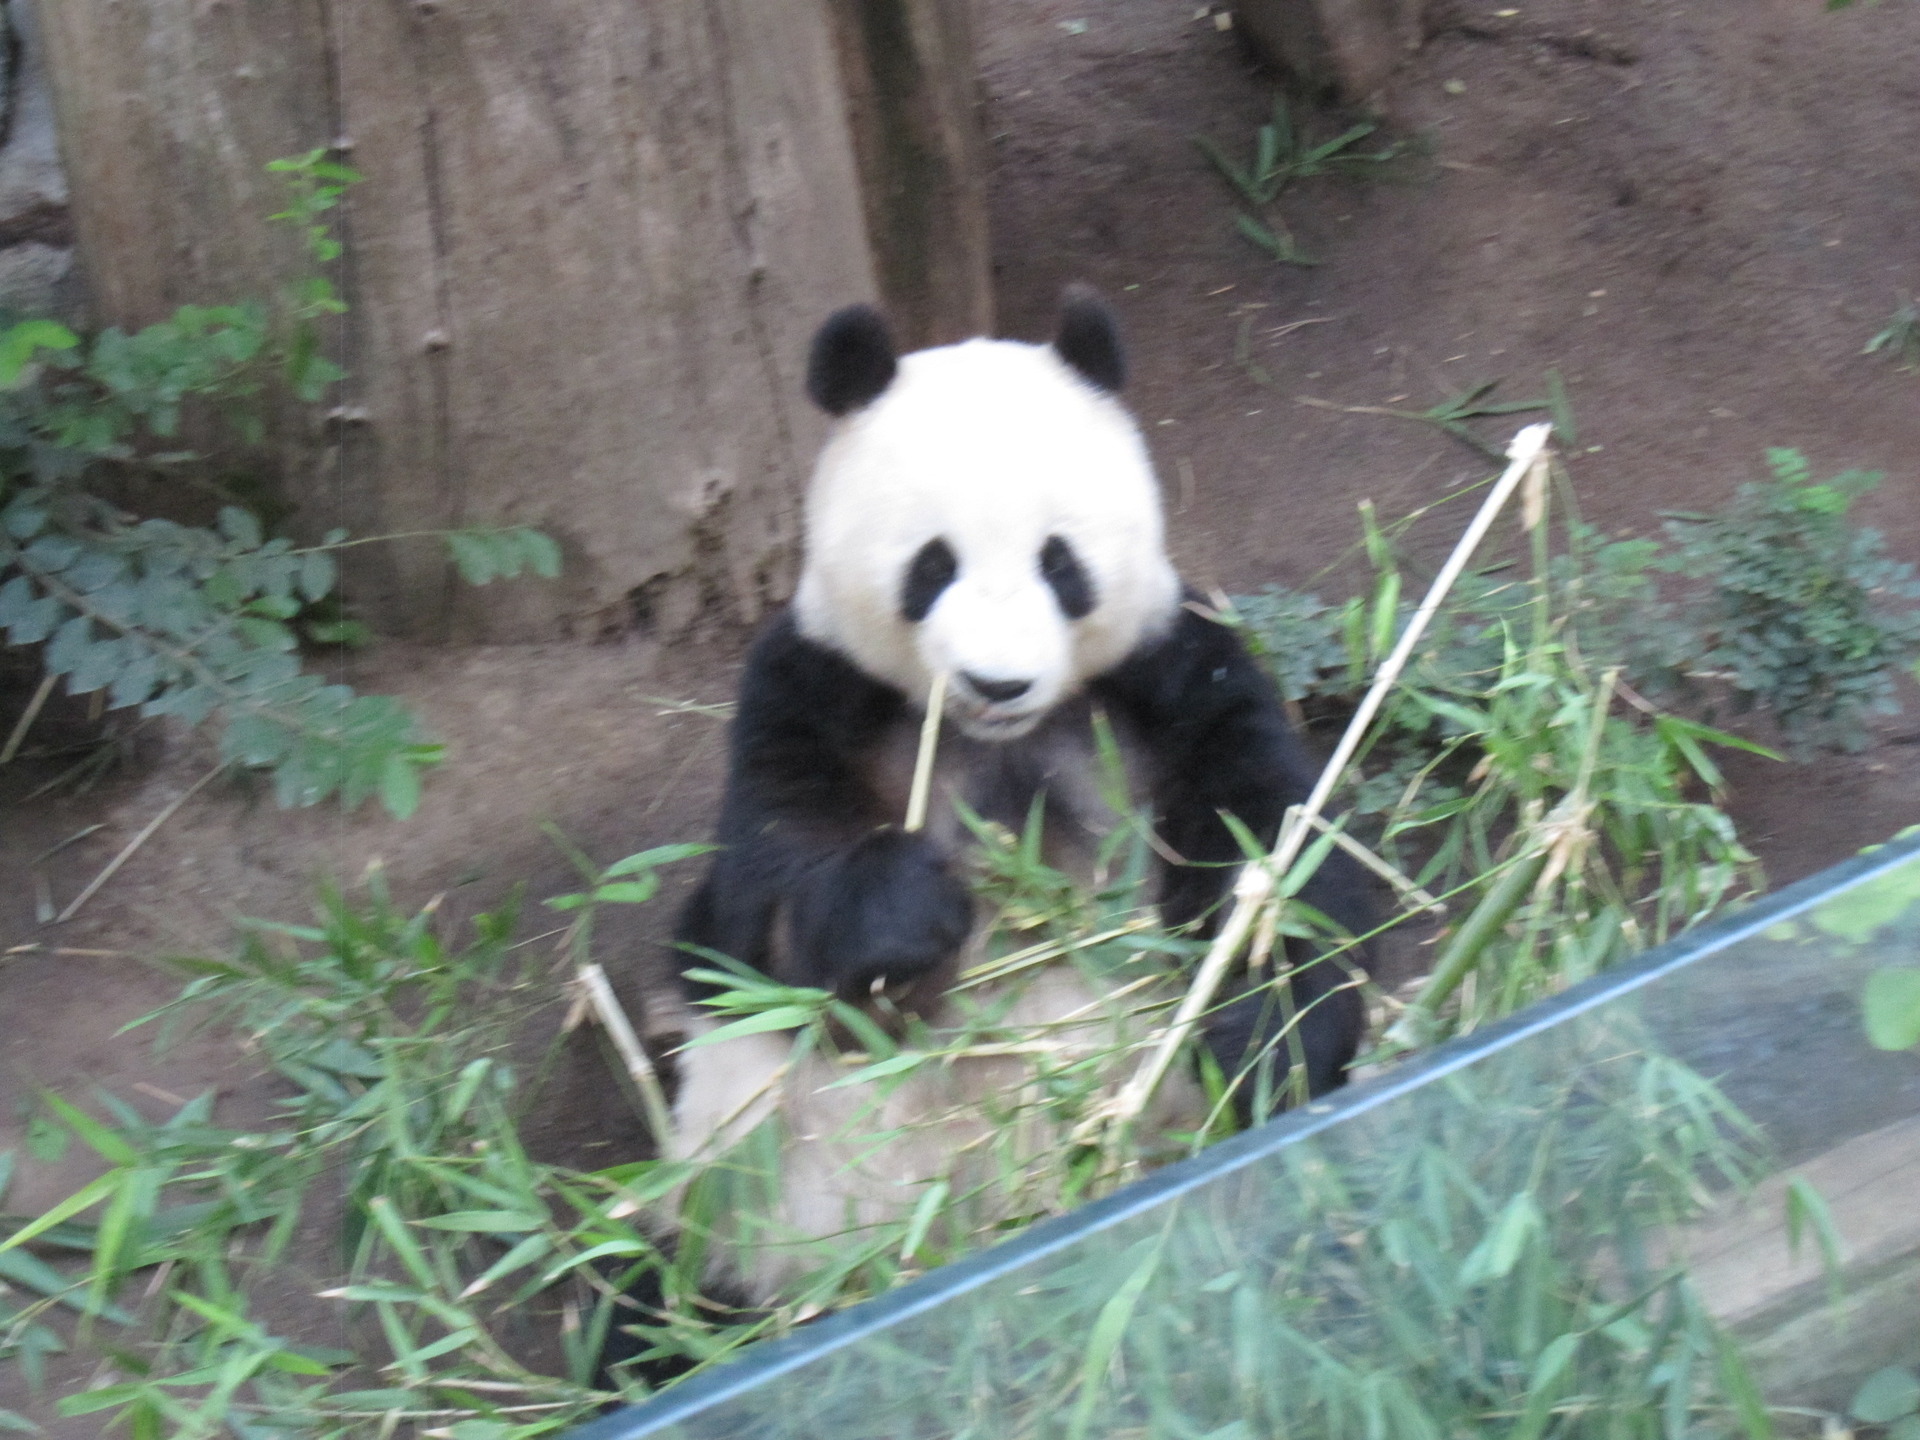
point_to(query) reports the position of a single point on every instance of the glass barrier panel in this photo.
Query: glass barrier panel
(1682, 1199)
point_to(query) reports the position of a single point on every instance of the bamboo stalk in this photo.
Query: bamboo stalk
(1483, 922)
(1547, 850)
(923, 762)
(606, 1009)
(1259, 878)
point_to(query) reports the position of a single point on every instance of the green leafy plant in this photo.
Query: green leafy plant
(314, 186)
(1795, 610)
(1464, 1295)
(406, 1093)
(1786, 606)
(410, 1082)
(1901, 337)
(192, 620)
(1039, 1152)
(29, 1286)
(1284, 154)
(1891, 1007)
(1889, 1397)
(1879, 916)
(475, 1285)
(1302, 639)
(1510, 777)
(1478, 1257)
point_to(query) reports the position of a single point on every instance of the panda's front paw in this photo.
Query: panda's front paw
(887, 913)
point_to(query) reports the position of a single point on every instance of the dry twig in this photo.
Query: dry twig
(27, 717)
(134, 844)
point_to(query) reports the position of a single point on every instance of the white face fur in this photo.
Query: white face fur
(997, 464)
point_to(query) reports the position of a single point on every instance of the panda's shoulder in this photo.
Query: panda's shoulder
(1195, 659)
(791, 678)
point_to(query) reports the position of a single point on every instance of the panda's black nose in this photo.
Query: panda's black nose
(996, 692)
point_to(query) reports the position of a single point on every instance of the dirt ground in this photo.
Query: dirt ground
(1697, 212)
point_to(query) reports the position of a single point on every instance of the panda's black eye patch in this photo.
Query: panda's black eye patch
(1062, 570)
(932, 570)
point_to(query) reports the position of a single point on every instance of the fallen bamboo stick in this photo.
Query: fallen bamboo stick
(606, 1009)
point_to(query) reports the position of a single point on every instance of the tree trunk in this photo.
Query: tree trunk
(592, 242)
(914, 99)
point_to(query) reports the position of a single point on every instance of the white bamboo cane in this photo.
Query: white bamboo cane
(1257, 879)
(923, 760)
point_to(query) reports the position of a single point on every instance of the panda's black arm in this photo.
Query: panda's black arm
(1220, 741)
(814, 883)
(1212, 721)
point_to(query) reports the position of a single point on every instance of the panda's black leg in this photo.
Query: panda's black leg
(1258, 1035)
(1333, 1017)
(624, 1356)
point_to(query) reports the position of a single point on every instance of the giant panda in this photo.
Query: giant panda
(986, 511)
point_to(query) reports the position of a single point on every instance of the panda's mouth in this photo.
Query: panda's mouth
(995, 708)
(996, 727)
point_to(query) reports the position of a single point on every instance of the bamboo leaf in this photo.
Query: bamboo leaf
(628, 892)
(880, 1069)
(1891, 1005)
(381, 1209)
(85, 1198)
(1104, 1341)
(1547, 1369)
(924, 1214)
(655, 858)
(1737, 1379)
(1806, 1206)
(485, 1222)
(1506, 1239)
(104, 1142)
(780, 1017)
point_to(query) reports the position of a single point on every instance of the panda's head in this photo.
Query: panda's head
(986, 510)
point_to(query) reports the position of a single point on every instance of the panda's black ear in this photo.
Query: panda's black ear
(852, 360)
(1089, 338)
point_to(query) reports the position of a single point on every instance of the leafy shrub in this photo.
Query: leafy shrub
(1800, 612)
(188, 620)
(1789, 608)
(1477, 1249)
(1302, 639)
(1519, 769)
(1889, 1397)
(1611, 612)
(1880, 915)
(403, 1102)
